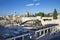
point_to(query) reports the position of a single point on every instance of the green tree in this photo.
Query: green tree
(48, 15)
(32, 15)
(55, 14)
(40, 14)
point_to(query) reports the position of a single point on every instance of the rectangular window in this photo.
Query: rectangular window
(38, 34)
(20, 38)
(48, 30)
(47, 19)
(41, 32)
(45, 31)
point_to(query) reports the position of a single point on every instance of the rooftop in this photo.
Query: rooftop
(12, 31)
(7, 32)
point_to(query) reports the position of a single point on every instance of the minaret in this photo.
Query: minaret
(14, 15)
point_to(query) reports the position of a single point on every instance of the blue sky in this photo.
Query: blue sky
(7, 7)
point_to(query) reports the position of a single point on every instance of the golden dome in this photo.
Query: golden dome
(26, 13)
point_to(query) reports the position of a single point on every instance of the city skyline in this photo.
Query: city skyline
(7, 7)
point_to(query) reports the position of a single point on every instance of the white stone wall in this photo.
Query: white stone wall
(58, 16)
(56, 21)
(39, 18)
(43, 22)
(30, 18)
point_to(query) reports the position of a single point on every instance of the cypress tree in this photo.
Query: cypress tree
(55, 14)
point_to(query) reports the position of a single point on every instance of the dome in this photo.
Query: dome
(26, 13)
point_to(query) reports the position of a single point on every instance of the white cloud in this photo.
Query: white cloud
(37, 4)
(30, 5)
